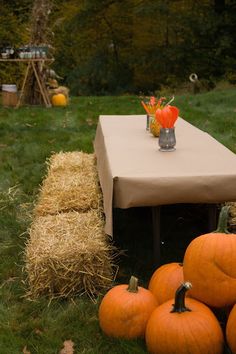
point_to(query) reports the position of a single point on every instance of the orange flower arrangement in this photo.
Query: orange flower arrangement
(151, 106)
(165, 114)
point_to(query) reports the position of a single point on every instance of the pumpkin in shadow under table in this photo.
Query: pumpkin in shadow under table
(165, 280)
(187, 327)
(210, 265)
(231, 330)
(125, 310)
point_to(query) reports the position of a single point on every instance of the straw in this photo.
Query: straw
(68, 254)
(232, 215)
(71, 184)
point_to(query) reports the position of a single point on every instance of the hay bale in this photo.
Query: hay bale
(68, 254)
(71, 184)
(75, 161)
(232, 216)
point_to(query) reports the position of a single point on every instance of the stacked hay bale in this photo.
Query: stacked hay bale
(68, 252)
(71, 184)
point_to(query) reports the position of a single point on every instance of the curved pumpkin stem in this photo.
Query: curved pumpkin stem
(133, 285)
(179, 305)
(223, 220)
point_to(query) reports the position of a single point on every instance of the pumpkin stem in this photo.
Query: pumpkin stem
(133, 285)
(223, 220)
(179, 305)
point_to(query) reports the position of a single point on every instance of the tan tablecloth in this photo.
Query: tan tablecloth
(133, 172)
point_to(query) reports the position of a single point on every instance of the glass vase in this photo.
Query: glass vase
(167, 140)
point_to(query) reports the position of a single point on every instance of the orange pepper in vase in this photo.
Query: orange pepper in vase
(167, 116)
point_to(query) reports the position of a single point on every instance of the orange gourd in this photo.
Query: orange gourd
(125, 310)
(183, 329)
(211, 257)
(230, 330)
(165, 280)
(59, 100)
(154, 126)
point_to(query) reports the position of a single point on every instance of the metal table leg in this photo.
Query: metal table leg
(212, 217)
(156, 229)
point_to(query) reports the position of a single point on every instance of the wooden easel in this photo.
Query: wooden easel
(35, 65)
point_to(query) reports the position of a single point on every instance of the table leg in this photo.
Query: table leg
(156, 229)
(23, 86)
(212, 217)
(41, 87)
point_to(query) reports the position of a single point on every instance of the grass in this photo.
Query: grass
(28, 136)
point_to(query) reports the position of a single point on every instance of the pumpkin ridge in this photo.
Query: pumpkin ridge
(196, 343)
(221, 269)
(220, 266)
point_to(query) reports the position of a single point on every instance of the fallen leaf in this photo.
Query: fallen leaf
(89, 121)
(68, 347)
(38, 331)
(25, 350)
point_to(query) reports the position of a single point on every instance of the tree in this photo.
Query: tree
(39, 35)
(13, 32)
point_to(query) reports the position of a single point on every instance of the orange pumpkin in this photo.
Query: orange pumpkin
(59, 100)
(212, 257)
(183, 329)
(165, 280)
(230, 330)
(125, 310)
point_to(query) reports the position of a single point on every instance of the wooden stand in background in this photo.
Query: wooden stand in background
(36, 65)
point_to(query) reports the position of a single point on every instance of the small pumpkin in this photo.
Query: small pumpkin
(154, 126)
(230, 330)
(125, 310)
(59, 99)
(183, 329)
(212, 257)
(165, 280)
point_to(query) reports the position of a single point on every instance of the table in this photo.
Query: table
(133, 172)
(36, 66)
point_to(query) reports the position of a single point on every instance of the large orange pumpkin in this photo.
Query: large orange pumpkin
(59, 99)
(230, 330)
(125, 310)
(165, 280)
(183, 329)
(211, 257)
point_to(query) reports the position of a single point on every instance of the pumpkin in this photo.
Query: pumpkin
(154, 126)
(59, 100)
(183, 328)
(230, 330)
(165, 280)
(125, 310)
(212, 257)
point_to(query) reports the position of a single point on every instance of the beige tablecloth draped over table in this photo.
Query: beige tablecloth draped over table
(133, 172)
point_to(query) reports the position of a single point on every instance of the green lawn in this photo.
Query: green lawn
(28, 136)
